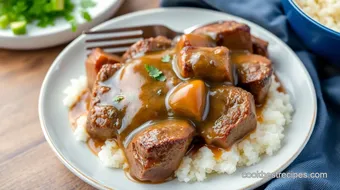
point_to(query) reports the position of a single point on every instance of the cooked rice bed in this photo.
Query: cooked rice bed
(265, 140)
(326, 12)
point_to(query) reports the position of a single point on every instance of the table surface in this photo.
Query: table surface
(26, 160)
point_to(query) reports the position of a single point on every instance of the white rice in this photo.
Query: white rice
(327, 12)
(112, 156)
(77, 87)
(80, 131)
(265, 140)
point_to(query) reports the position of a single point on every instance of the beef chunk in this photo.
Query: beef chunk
(103, 120)
(147, 45)
(211, 64)
(107, 71)
(232, 116)
(156, 152)
(189, 99)
(260, 47)
(95, 61)
(195, 40)
(254, 75)
(231, 34)
(99, 89)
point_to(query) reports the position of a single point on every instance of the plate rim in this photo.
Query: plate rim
(93, 182)
(61, 30)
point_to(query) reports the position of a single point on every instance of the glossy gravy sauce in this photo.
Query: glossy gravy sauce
(143, 99)
(79, 108)
(281, 87)
(95, 145)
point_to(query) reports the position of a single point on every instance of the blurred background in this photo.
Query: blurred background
(26, 160)
(311, 29)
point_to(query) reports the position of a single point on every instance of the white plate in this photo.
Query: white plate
(79, 159)
(61, 32)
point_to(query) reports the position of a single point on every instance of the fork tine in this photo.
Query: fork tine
(126, 29)
(117, 51)
(109, 46)
(120, 39)
(112, 38)
(111, 43)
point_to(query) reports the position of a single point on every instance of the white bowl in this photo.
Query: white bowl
(61, 32)
(79, 159)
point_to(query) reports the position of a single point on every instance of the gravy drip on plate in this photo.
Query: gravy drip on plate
(144, 99)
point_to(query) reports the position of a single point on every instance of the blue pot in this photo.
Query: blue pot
(317, 37)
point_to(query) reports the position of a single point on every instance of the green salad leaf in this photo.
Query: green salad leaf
(87, 4)
(42, 12)
(86, 15)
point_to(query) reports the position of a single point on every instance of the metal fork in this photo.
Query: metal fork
(119, 40)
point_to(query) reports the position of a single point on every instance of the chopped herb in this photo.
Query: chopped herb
(58, 5)
(155, 73)
(73, 25)
(159, 92)
(42, 13)
(86, 15)
(4, 21)
(45, 21)
(166, 58)
(118, 98)
(19, 27)
(110, 113)
(161, 78)
(87, 4)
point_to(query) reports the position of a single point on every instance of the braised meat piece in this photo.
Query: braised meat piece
(147, 45)
(204, 86)
(195, 40)
(260, 47)
(155, 152)
(232, 116)
(207, 63)
(254, 74)
(231, 34)
(95, 61)
(99, 89)
(103, 121)
(189, 99)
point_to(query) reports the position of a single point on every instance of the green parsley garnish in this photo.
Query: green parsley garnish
(166, 58)
(42, 12)
(19, 27)
(118, 98)
(86, 15)
(4, 21)
(87, 4)
(155, 73)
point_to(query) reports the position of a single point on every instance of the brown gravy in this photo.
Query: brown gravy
(216, 150)
(281, 87)
(79, 108)
(144, 100)
(130, 177)
(143, 94)
(95, 145)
